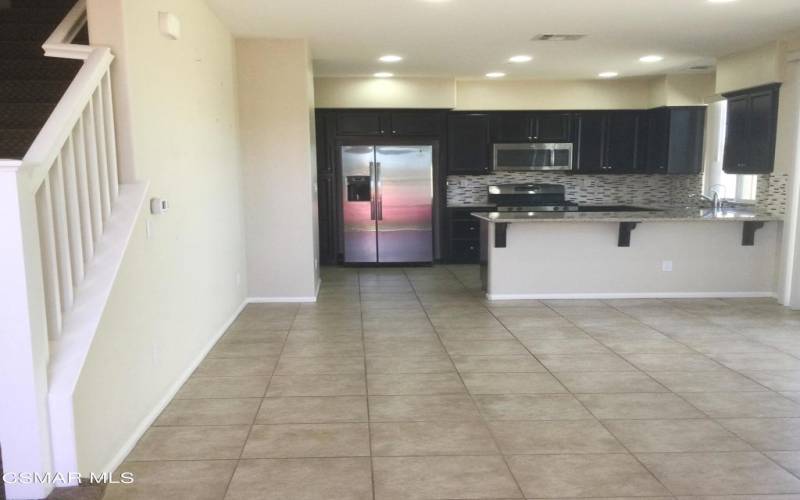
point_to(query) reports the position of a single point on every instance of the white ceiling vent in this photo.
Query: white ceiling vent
(557, 37)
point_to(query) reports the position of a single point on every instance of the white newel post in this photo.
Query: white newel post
(24, 421)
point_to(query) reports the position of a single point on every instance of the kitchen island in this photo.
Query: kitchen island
(668, 253)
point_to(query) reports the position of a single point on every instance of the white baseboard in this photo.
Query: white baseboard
(280, 300)
(148, 420)
(643, 295)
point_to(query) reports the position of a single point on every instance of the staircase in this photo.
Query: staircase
(30, 83)
(65, 223)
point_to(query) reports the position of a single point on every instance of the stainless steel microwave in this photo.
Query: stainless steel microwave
(538, 156)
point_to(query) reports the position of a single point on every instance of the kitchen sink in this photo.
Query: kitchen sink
(615, 208)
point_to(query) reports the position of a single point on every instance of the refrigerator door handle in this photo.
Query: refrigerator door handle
(372, 192)
(379, 199)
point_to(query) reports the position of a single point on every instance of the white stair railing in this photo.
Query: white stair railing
(65, 222)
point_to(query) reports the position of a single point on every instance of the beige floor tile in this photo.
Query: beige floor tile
(777, 380)
(313, 410)
(302, 479)
(485, 347)
(223, 387)
(497, 364)
(531, 407)
(559, 476)
(316, 385)
(320, 365)
(585, 363)
(322, 349)
(250, 336)
(190, 443)
(554, 437)
(209, 412)
(443, 407)
(189, 480)
(743, 404)
(672, 362)
(453, 334)
(720, 473)
(398, 439)
(645, 346)
(758, 361)
(405, 348)
(636, 406)
(789, 460)
(235, 367)
(675, 436)
(585, 345)
(774, 434)
(716, 381)
(409, 364)
(246, 350)
(727, 345)
(399, 384)
(608, 382)
(418, 478)
(308, 440)
(512, 383)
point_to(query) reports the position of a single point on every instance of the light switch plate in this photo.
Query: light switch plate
(666, 266)
(169, 25)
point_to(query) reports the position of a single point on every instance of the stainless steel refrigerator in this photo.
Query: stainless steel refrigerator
(387, 204)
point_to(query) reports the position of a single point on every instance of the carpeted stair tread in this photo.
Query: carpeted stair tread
(24, 115)
(44, 68)
(21, 50)
(20, 32)
(35, 91)
(14, 143)
(38, 4)
(51, 16)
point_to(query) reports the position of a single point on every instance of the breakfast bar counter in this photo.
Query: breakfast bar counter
(671, 252)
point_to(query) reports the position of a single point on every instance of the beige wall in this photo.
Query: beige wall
(553, 94)
(751, 68)
(277, 135)
(683, 90)
(385, 93)
(177, 289)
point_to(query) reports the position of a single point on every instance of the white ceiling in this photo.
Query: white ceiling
(468, 38)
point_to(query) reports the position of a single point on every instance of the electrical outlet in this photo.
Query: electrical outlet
(666, 266)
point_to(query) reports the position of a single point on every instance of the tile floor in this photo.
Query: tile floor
(406, 384)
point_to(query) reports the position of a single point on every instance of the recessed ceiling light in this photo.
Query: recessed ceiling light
(383, 74)
(390, 58)
(651, 58)
(520, 59)
(608, 74)
(495, 74)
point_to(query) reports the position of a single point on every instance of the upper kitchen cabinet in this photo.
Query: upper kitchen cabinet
(675, 140)
(751, 129)
(609, 142)
(416, 123)
(468, 143)
(388, 123)
(361, 123)
(532, 127)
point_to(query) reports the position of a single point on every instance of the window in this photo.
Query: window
(730, 187)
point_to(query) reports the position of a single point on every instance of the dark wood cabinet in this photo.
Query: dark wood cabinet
(531, 127)
(464, 233)
(468, 143)
(752, 122)
(416, 123)
(609, 142)
(675, 138)
(328, 227)
(361, 123)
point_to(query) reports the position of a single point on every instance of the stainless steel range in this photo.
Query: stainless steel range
(530, 198)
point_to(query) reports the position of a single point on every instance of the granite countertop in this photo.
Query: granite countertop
(666, 215)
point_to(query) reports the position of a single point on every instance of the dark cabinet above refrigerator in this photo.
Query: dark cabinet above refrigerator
(383, 123)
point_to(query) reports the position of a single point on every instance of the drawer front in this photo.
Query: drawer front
(466, 251)
(469, 229)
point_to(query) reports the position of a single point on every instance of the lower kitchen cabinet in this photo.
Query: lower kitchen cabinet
(464, 231)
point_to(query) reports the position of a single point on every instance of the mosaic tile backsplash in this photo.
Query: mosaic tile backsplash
(653, 190)
(584, 189)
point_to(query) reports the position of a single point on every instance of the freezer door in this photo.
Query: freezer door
(404, 203)
(358, 204)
